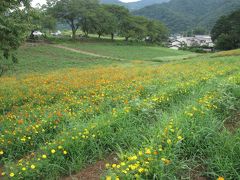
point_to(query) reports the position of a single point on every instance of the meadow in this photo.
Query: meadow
(163, 114)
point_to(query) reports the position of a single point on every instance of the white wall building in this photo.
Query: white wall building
(198, 40)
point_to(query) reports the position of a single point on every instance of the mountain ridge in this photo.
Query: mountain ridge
(134, 5)
(182, 15)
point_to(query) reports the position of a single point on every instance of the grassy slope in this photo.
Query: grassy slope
(130, 52)
(205, 141)
(44, 58)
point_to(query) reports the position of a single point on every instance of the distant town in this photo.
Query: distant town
(178, 41)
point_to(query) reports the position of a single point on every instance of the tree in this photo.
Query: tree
(42, 20)
(156, 31)
(48, 22)
(135, 27)
(75, 13)
(226, 32)
(104, 22)
(118, 18)
(14, 23)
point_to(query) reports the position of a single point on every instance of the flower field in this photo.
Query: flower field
(162, 121)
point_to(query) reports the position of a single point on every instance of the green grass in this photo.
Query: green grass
(92, 107)
(42, 58)
(125, 51)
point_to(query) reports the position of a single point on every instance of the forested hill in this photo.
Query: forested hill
(182, 15)
(134, 5)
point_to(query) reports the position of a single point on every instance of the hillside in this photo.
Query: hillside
(134, 5)
(65, 110)
(182, 15)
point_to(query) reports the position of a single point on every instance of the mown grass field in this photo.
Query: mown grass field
(62, 111)
(128, 52)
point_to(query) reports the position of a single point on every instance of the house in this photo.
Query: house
(176, 42)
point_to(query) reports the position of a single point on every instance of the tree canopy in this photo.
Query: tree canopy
(92, 17)
(13, 26)
(226, 32)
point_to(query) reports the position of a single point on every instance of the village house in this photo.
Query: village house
(176, 42)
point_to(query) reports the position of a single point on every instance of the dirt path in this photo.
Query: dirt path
(92, 172)
(87, 53)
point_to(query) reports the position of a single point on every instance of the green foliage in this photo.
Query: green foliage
(13, 26)
(92, 17)
(48, 22)
(75, 13)
(119, 15)
(226, 32)
(184, 15)
(105, 22)
(156, 31)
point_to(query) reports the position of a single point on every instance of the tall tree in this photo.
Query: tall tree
(120, 14)
(14, 16)
(104, 23)
(134, 27)
(156, 31)
(74, 12)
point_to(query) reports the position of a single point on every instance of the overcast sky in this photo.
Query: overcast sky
(43, 1)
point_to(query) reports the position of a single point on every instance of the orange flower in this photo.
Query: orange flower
(220, 178)
(20, 121)
(155, 153)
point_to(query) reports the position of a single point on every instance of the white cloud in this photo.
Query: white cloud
(35, 2)
(129, 0)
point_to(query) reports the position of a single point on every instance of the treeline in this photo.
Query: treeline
(226, 32)
(90, 16)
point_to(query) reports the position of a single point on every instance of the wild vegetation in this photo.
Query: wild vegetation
(226, 32)
(163, 120)
(152, 112)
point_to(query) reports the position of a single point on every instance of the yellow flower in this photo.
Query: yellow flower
(108, 178)
(53, 151)
(33, 166)
(12, 174)
(65, 152)
(123, 163)
(124, 171)
(107, 165)
(24, 169)
(180, 138)
(140, 153)
(131, 158)
(114, 165)
(60, 147)
(140, 170)
(117, 178)
(1, 152)
(44, 156)
(169, 141)
(220, 178)
(148, 151)
(3, 173)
